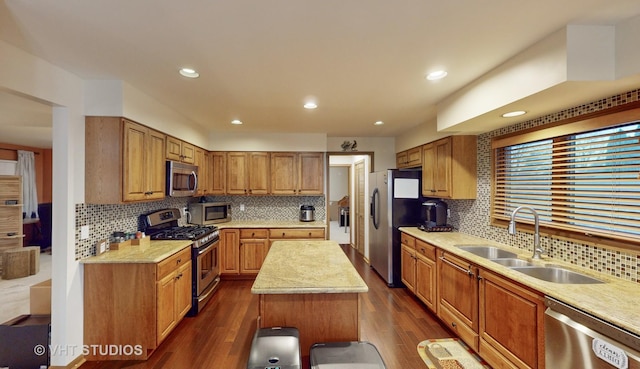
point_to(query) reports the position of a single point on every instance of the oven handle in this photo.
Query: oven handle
(202, 251)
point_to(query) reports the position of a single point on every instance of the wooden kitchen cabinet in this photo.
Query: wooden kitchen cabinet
(200, 160)
(217, 173)
(411, 158)
(419, 269)
(291, 234)
(124, 161)
(11, 230)
(248, 173)
(229, 251)
(179, 150)
(135, 303)
(511, 323)
(297, 173)
(449, 168)
(458, 296)
(254, 246)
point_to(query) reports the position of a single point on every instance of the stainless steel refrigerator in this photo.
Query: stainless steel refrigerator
(395, 201)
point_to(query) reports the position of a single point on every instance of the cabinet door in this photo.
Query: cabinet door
(188, 152)
(426, 281)
(259, 173)
(252, 254)
(428, 170)
(507, 308)
(199, 161)
(414, 157)
(155, 167)
(237, 173)
(183, 291)
(166, 305)
(217, 173)
(310, 177)
(229, 251)
(458, 288)
(408, 262)
(402, 159)
(284, 173)
(442, 173)
(174, 149)
(134, 173)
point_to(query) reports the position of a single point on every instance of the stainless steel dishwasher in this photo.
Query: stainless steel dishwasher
(576, 340)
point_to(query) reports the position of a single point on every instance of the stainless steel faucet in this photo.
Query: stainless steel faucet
(537, 250)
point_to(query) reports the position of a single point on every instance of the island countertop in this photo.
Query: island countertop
(299, 267)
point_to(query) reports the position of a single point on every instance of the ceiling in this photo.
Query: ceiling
(362, 61)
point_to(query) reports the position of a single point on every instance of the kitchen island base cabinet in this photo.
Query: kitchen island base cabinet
(321, 317)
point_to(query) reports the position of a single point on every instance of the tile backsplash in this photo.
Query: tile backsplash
(105, 219)
(472, 216)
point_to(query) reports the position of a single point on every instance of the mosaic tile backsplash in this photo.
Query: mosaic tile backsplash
(103, 220)
(472, 216)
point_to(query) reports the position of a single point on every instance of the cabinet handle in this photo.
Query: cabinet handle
(178, 261)
(453, 324)
(468, 271)
(282, 234)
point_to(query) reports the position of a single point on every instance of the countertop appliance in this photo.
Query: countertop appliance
(206, 213)
(205, 260)
(575, 339)
(395, 202)
(182, 179)
(307, 213)
(437, 213)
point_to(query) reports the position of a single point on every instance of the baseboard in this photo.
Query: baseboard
(75, 363)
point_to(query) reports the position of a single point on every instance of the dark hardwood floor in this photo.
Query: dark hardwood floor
(220, 336)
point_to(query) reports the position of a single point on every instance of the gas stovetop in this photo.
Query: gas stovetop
(163, 225)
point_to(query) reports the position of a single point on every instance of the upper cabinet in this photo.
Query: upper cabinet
(179, 150)
(124, 161)
(247, 173)
(200, 160)
(297, 173)
(411, 158)
(449, 168)
(217, 173)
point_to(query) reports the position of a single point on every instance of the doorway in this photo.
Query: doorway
(346, 198)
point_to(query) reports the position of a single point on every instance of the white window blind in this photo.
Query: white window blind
(587, 182)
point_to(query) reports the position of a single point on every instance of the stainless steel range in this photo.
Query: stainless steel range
(163, 225)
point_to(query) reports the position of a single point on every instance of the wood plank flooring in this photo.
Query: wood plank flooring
(220, 336)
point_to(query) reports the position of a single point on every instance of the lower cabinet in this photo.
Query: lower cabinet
(134, 306)
(243, 250)
(511, 323)
(419, 269)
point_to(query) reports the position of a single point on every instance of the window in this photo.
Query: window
(582, 183)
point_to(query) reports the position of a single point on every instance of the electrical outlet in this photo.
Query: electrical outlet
(84, 232)
(448, 213)
(241, 207)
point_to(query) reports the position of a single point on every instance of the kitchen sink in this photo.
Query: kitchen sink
(489, 252)
(511, 262)
(556, 275)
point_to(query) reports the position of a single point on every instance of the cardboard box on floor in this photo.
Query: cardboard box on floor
(40, 298)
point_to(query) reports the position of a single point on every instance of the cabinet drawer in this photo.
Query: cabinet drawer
(425, 249)
(173, 262)
(254, 233)
(405, 239)
(462, 330)
(296, 233)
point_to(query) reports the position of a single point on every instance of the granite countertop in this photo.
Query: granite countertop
(154, 253)
(271, 224)
(615, 301)
(293, 267)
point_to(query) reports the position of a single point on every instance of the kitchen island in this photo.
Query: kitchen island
(312, 286)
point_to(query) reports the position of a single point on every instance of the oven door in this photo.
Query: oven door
(206, 275)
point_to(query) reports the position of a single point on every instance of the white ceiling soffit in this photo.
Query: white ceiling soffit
(574, 65)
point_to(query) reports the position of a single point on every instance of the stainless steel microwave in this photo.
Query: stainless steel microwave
(182, 179)
(204, 213)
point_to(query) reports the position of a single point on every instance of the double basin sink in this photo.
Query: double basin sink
(546, 273)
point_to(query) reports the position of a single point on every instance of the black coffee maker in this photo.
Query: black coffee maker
(436, 215)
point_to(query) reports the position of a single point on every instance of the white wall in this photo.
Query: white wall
(252, 141)
(34, 78)
(382, 147)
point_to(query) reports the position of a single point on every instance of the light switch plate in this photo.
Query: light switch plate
(84, 232)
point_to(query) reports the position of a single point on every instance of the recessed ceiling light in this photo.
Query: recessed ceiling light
(378, 123)
(516, 113)
(190, 73)
(439, 74)
(236, 122)
(310, 105)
